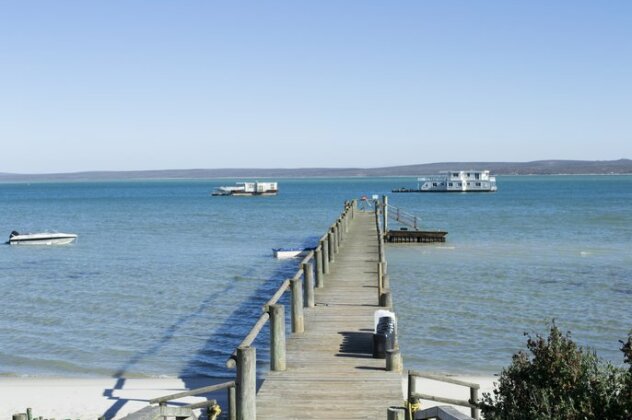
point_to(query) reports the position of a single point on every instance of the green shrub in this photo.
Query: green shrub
(559, 380)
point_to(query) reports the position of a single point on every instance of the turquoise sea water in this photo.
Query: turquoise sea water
(166, 280)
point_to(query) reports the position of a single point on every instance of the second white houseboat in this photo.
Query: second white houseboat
(455, 181)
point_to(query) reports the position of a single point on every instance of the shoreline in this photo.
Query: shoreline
(91, 398)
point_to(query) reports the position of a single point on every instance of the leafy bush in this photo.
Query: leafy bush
(560, 380)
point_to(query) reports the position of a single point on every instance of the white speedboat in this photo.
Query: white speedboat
(46, 238)
(283, 253)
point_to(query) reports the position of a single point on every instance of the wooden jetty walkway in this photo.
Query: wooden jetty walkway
(331, 373)
(333, 365)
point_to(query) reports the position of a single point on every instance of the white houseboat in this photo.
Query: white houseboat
(455, 181)
(248, 189)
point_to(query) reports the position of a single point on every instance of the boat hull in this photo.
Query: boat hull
(43, 239)
(284, 253)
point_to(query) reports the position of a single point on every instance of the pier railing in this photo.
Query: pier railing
(414, 397)
(400, 216)
(309, 276)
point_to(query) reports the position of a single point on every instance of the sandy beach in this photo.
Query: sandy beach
(115, 398)
(85, 398)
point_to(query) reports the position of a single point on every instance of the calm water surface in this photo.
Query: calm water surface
(165, 280)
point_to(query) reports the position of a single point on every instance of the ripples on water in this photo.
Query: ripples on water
(166, 280)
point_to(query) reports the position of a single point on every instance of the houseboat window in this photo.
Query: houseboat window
(455, 174)
(449, 184)
(460, 184)
(476, 176)
(434, 184)
(478, 184)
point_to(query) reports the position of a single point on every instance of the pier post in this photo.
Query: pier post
(395, 413)
(339, 229)
(386, 299)
(308, 286)
(336, 237)
(318, 256)
(393, 360)
(330, 243)
(246, 383)
(385, 213)
(380, 283)
(381, 248)
(277, 337)
(232, 403)
(413, 402)
(298, 320)
(386, 281)
(474, 411)
(324, 246)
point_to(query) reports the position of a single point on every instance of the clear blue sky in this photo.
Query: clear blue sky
(127, 85)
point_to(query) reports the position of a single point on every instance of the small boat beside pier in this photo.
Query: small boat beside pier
(285, 253)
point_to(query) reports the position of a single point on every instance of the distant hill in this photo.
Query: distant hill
(539, 167)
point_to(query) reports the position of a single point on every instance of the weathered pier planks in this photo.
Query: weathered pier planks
(330, 372)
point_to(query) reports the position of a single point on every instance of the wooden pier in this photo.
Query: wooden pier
(328, 367)
(330, 372)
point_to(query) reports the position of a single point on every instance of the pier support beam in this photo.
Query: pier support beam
(324, 246)
(330, 243)
(386, 300)
(474, 412)
(393, 360)
(308, 285)
(277, 337)
(396, 413)
(413, 402)
(380, 280)
(246, 383)
(340, 232)
(232, 403)
(298, 318)
(385, 213)
(318, 257)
